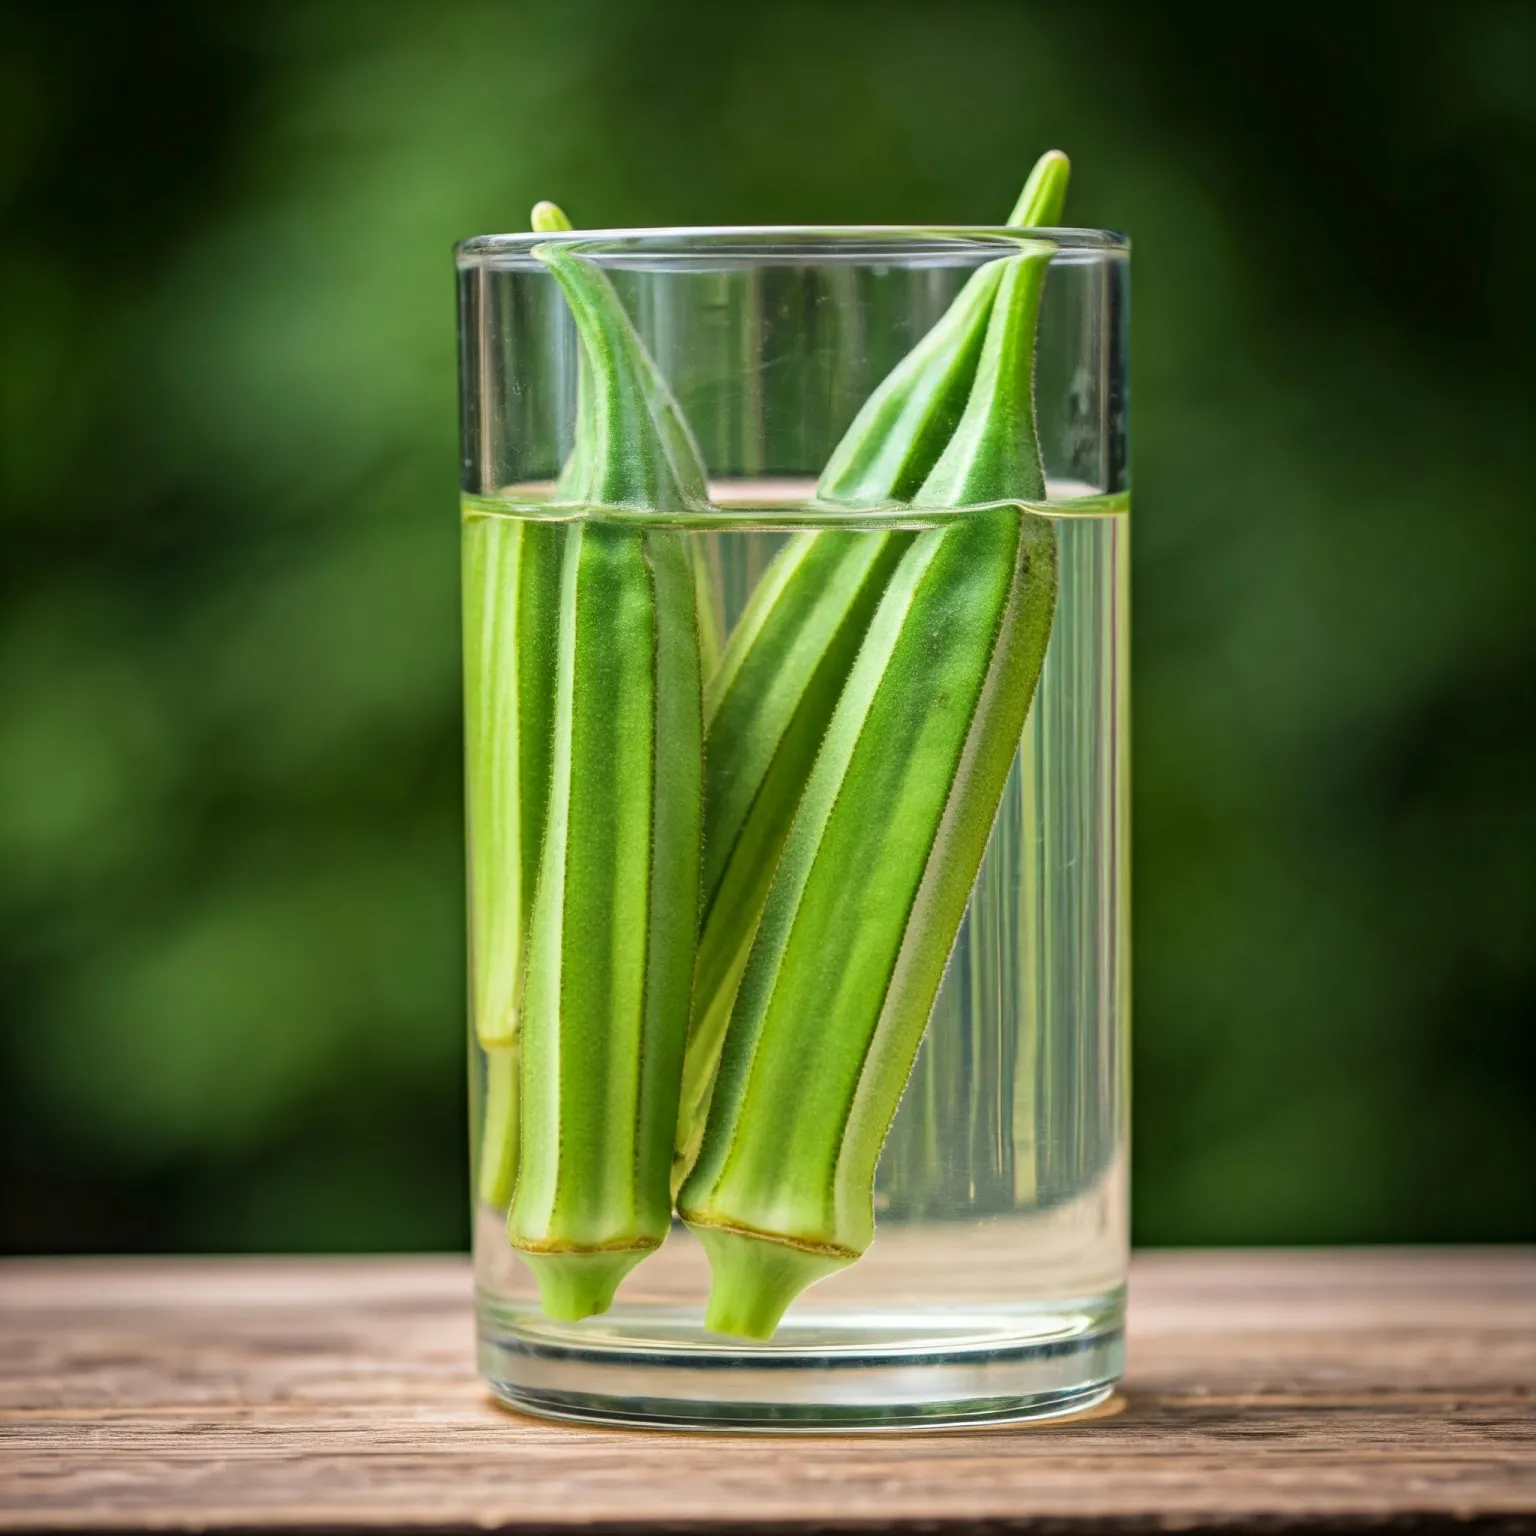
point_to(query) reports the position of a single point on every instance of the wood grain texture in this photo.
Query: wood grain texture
(1266, 1391)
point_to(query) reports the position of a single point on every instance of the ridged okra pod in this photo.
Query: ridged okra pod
(615, 915)
(881, 856)
(511, 594)
(511, 581)
(769, 704)
(766, 711)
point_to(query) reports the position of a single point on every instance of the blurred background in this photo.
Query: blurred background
(230, 861)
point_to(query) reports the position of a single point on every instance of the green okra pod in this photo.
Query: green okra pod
(766, 711)
(879, 862)
(615, 915)
(511, 592)
(511, 581)
(611, 949)
(783, 670)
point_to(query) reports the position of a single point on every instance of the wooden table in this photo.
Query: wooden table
(1274, 1391)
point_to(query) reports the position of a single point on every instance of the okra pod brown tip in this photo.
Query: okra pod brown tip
(755, 1276)
(574, 1285)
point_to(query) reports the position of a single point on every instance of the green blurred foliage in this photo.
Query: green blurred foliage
(230, 926)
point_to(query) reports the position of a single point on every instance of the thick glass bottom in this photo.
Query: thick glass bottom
(826, 1369)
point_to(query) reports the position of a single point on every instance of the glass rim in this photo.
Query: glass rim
(797, 244)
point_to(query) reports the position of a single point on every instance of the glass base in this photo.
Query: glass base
(825, 1370)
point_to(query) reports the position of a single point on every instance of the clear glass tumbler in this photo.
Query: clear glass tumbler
(993, 1288)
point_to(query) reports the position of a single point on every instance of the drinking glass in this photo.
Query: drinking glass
(994, 1287)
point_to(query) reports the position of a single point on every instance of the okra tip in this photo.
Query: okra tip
(753, 1279)
(577, 1285)
(1045, 193)
(547, 218)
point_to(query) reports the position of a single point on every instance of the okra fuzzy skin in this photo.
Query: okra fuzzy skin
(615, 914)
(902, 428)
(766, 712)
(511, 583)
(994, 455)
(900, 431)
(864, 909)
(615, 918)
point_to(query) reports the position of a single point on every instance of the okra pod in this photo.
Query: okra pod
(511, 592)
(769, 704)
(615, 914)
(766, 711)
(511, 580)
(611, 949)
(880, 858)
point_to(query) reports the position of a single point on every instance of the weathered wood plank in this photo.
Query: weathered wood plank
(1388, 1390)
